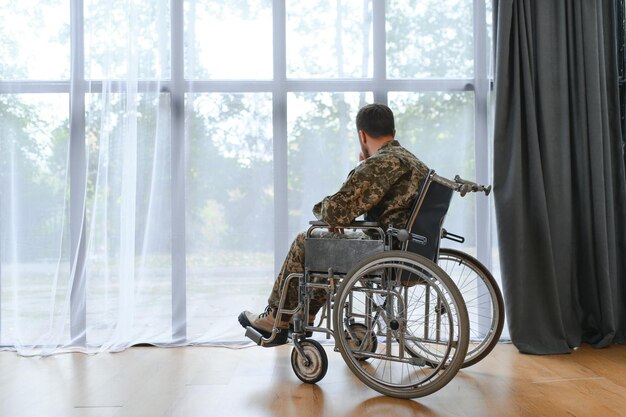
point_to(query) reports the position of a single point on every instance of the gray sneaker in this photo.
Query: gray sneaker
(264, 324)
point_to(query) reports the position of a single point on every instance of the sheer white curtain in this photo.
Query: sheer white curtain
(104, 276)
(34, 178)
(157, 157)
(128, 216)
(117, 291)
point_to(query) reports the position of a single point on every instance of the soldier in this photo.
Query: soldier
(383, 187)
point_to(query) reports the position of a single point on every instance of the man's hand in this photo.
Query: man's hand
(336, 230)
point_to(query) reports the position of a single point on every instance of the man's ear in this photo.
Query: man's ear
(362, 137)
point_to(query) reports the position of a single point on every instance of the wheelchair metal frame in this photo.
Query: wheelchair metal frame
(341, 267)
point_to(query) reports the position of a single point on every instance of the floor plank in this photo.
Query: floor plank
(203, 381)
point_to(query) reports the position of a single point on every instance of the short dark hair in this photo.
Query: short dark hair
(376, 120)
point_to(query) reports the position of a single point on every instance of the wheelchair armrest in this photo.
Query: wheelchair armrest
(358, 223)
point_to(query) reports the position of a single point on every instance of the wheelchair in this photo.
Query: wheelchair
(398, 319)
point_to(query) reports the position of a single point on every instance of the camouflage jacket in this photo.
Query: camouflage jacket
(382, 187)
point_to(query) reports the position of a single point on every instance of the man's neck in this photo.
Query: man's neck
(379, 143)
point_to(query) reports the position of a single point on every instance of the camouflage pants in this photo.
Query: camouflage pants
(294, 263)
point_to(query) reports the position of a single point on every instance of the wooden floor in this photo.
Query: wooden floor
(202, 381)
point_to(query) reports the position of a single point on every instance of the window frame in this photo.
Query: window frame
(280, 86)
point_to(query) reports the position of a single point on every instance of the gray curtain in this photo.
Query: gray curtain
(559, 186)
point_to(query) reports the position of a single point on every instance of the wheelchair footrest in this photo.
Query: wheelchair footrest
(254, 335)
(268, 339)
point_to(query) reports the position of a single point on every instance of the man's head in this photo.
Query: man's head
(376, 126)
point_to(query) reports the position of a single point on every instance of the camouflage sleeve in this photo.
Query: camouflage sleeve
(367, 185)
(317, 209)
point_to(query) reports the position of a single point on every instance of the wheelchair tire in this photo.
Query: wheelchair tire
(400, 314)
(482, 297)
(311, 368)
(361, 339)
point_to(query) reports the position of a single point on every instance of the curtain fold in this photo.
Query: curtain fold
(560, 189)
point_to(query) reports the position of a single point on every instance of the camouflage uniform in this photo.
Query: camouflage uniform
(382, 187)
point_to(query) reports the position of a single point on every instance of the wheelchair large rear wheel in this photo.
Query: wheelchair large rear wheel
(399, 297)
(482, 297)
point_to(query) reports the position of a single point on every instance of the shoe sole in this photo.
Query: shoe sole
(280, 339)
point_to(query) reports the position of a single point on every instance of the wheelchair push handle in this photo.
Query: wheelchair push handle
(461, 185)
(469, 186)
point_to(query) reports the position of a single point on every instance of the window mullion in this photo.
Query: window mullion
(34, 87)
(279, 123)
(481, 132)
(78, 177)
(379, 51)
(178, 206)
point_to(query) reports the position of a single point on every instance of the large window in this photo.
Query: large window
(157, 157)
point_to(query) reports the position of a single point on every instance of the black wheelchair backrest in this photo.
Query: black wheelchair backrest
(427, 216)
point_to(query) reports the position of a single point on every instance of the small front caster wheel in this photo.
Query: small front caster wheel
(311, 367)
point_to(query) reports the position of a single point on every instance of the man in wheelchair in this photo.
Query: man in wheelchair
(382, 187)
